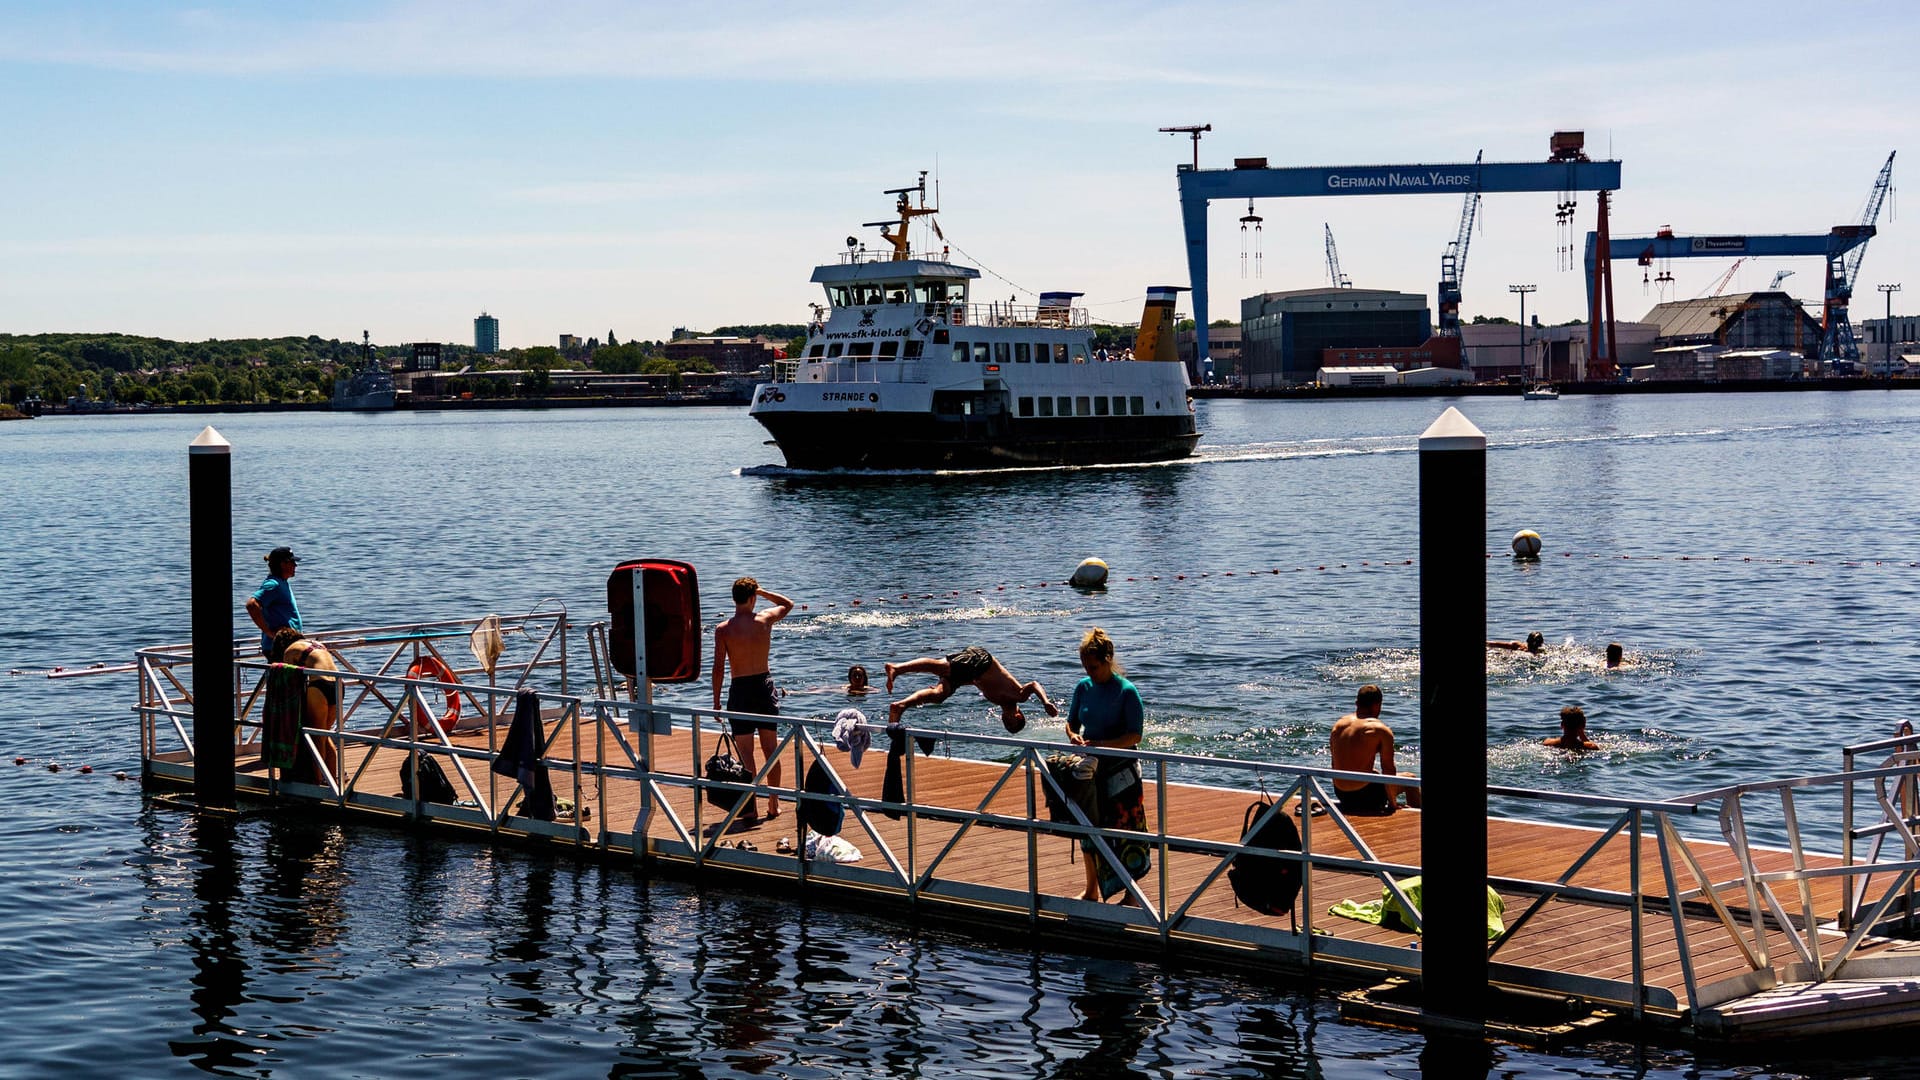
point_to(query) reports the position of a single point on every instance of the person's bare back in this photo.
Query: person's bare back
(1356, 742)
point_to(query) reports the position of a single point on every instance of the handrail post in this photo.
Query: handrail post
(1453, 717)
(1639, 916)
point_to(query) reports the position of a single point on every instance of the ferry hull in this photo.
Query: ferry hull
(881, 441)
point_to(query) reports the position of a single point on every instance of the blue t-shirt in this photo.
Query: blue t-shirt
(277, 607)
(1102, 711)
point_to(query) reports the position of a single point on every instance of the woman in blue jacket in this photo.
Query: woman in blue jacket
(1107, 713)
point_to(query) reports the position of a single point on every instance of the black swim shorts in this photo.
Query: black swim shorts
(752, 694)
(967, 665)
(1369, 801)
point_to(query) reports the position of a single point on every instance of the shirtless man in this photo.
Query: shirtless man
(321, 710)
(1573, 731)
(1358, 738)
(1536, 644)
(745, 641)
(974, 665)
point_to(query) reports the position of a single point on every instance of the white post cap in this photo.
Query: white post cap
(209, 441)
(1453, 431)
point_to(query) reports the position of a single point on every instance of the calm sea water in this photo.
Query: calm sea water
(1755, 554)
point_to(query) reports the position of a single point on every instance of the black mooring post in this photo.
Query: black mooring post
(210, 542)
(1453, 717)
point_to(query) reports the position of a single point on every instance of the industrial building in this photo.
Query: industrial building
(1557, 354)
(735, 354)
(486, 334)
(1754, 320)
(1880, 343)
(1285, 336)
(1223, 342)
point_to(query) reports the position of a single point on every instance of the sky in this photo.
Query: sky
(584, 166)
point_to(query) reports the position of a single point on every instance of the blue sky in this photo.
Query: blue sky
(229, 170)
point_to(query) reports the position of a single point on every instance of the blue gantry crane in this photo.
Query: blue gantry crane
(1453, 263)
(1842, 247)
(1568, 170)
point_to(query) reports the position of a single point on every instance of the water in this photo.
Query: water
(138, 941)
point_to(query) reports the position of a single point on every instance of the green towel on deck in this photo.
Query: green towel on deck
(1387, 911)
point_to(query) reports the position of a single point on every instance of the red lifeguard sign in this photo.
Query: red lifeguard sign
(671, 594)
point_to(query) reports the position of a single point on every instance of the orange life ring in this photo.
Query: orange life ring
(430, 667)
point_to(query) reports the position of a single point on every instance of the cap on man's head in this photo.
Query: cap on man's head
(281, 554)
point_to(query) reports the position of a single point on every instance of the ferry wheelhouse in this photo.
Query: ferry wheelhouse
(902, 370)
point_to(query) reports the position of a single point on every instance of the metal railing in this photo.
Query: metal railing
(596, 745)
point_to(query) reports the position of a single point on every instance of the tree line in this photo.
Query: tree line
(130, 370)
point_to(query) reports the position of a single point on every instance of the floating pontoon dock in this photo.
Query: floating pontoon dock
(1619, 903)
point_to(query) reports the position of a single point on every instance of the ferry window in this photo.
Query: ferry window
(1042, 352)
(833, 350)
(870, 294)
(1046, 406)
(1026, 406)
(860, 350)
(1022, 352)
(914, 347)
(840, 295)
(1079, 353)
(1099, 406)
(1060, 352)
(961, 351)
(889, 350)
(1119, 406)
(1001, 352)
(1139, 406)
(1081, 407)
(981, 352)
(923, 292)
(896, 293)
(817, 350)
(1066, 406)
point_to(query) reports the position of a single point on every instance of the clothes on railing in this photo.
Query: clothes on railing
(850, 733)
(519, 758)
(285, 708)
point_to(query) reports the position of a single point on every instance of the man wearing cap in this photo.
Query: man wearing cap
(272, 605)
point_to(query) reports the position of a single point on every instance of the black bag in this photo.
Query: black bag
(1267, 885)
(724, 767)
(1065, 770)
(821, 816)
(434, 785)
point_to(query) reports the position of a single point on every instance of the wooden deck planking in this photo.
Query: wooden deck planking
(1579, 938)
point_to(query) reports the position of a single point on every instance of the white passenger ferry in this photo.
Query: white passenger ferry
(904, 372)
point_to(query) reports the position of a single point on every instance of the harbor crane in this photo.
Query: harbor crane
(1774, 285)
(1721, 285)
(1567, 170)
(1453, 262)
(1836, 340)
(1839, 246)
(1339, 280)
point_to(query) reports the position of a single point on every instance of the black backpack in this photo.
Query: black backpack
(434, 785)
(1267, 885)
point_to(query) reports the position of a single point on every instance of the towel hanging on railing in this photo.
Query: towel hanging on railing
(519, 758)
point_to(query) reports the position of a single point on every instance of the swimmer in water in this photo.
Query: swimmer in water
(1573, 731)
(857, 681)
(1536, 644)
(1615, 654)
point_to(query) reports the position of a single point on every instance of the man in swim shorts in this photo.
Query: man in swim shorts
(1358, 739)
(746, 641)
(974, 666)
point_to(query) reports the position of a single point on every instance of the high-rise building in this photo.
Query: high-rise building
(486, 334)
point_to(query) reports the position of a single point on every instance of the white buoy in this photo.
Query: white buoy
(1089, 574)
(1526, 544)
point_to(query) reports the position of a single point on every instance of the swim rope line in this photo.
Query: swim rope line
(907, 598)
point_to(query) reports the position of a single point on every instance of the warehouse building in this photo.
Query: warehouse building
(1285, 336)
